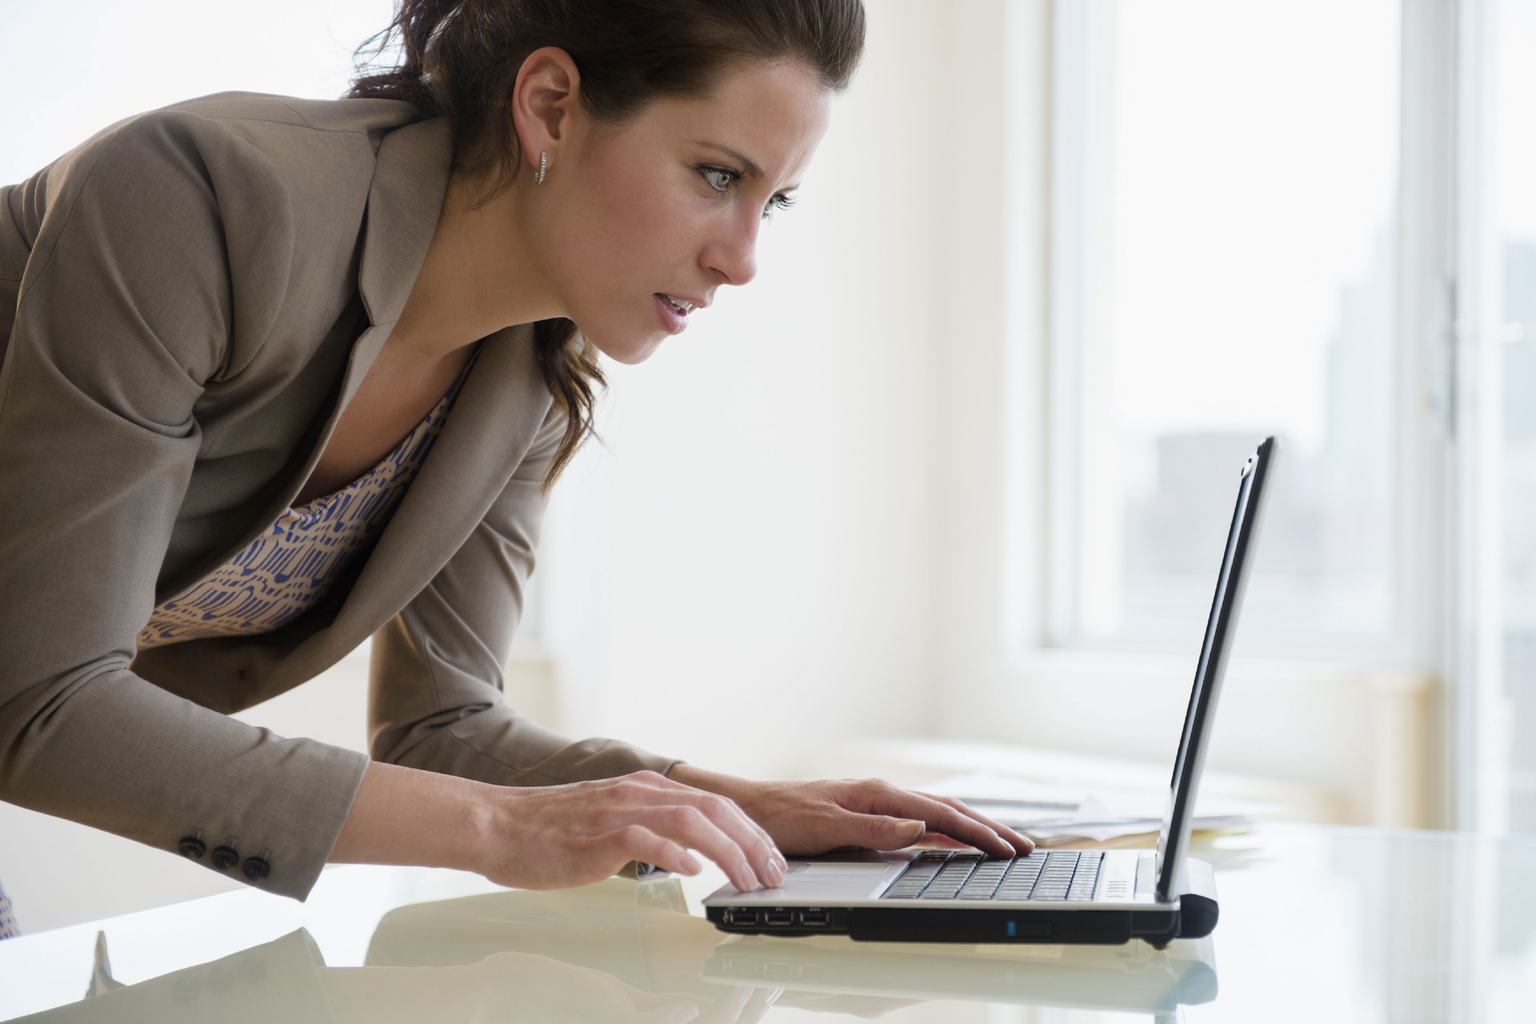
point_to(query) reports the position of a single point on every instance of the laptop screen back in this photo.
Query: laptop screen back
(1173, 842)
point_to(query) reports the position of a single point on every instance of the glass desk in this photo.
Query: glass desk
(1328, 924)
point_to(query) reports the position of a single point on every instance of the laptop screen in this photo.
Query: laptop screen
(1173, 842)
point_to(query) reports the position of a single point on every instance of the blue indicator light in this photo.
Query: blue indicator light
(1013, 929)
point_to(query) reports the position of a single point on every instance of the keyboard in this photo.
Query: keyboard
(1067, 875)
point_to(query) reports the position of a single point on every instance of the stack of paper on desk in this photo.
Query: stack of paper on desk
(1055, 815)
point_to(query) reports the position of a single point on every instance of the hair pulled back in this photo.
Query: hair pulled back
(459, 59)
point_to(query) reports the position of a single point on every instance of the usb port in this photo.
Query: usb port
(778, 918)
(743, 917)
(815, 918)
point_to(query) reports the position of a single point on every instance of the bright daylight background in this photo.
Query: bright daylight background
(1238, 280)
(944, 490)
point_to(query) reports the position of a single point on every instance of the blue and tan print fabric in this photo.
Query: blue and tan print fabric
(292, 566)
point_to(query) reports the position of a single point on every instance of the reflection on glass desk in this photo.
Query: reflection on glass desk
(1333, 924)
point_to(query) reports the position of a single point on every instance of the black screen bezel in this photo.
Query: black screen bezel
(1173, 840)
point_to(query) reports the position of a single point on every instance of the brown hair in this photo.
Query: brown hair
(459, 59)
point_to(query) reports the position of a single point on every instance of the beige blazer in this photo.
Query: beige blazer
(187, 303)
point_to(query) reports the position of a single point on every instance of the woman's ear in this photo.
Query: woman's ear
(544, 103)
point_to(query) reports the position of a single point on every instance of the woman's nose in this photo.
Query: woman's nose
(734, 255)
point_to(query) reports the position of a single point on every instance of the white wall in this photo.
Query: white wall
(72, 67)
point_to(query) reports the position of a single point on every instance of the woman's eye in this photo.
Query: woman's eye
(778, 202)
(718, 178)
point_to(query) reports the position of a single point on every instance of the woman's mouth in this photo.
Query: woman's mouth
(673, 312)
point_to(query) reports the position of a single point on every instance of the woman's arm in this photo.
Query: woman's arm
(129, 309)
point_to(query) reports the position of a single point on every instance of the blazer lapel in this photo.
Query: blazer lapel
(492, 425)
(405, 199)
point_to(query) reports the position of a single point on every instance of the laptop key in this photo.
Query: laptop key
(1057, 875)
(919, 874)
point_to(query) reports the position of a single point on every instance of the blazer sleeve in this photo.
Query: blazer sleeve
(155, 246)
(435, 693)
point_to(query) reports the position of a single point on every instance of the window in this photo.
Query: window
(1315, 220)
(1224, 262)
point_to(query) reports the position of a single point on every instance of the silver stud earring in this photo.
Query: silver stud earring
(538, 179)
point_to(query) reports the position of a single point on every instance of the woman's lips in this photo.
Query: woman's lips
(673, 320)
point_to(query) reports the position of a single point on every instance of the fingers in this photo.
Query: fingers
(881, 832)
(693, 828)
(766, 862)
(640, 843)
(960, 822)
(944, 815)
(1018, 840)
(714, 826)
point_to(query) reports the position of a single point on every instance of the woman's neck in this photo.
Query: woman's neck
(479, 276)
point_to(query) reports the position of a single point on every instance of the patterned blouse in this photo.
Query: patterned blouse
(281, 574)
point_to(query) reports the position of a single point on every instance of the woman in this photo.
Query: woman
(237, 329)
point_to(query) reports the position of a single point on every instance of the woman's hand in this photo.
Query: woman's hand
(813, 817)
(550, 837)
(556, 836)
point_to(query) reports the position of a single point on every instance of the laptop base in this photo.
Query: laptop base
(1194, 918)
(899, 924)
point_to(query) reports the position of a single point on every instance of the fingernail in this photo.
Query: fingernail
(911, 831)
(775, 875)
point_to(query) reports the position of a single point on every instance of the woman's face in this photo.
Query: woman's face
(643, 221)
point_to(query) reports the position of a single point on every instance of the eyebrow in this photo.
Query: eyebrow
(748, 167)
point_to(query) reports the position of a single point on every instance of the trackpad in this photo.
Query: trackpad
(835, 870)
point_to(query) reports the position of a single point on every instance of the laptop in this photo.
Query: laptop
(1056, 896)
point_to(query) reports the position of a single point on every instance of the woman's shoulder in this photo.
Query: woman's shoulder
(263, 116)
(229, 132)
(257, 162)
(229, 202)
(234, 136)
